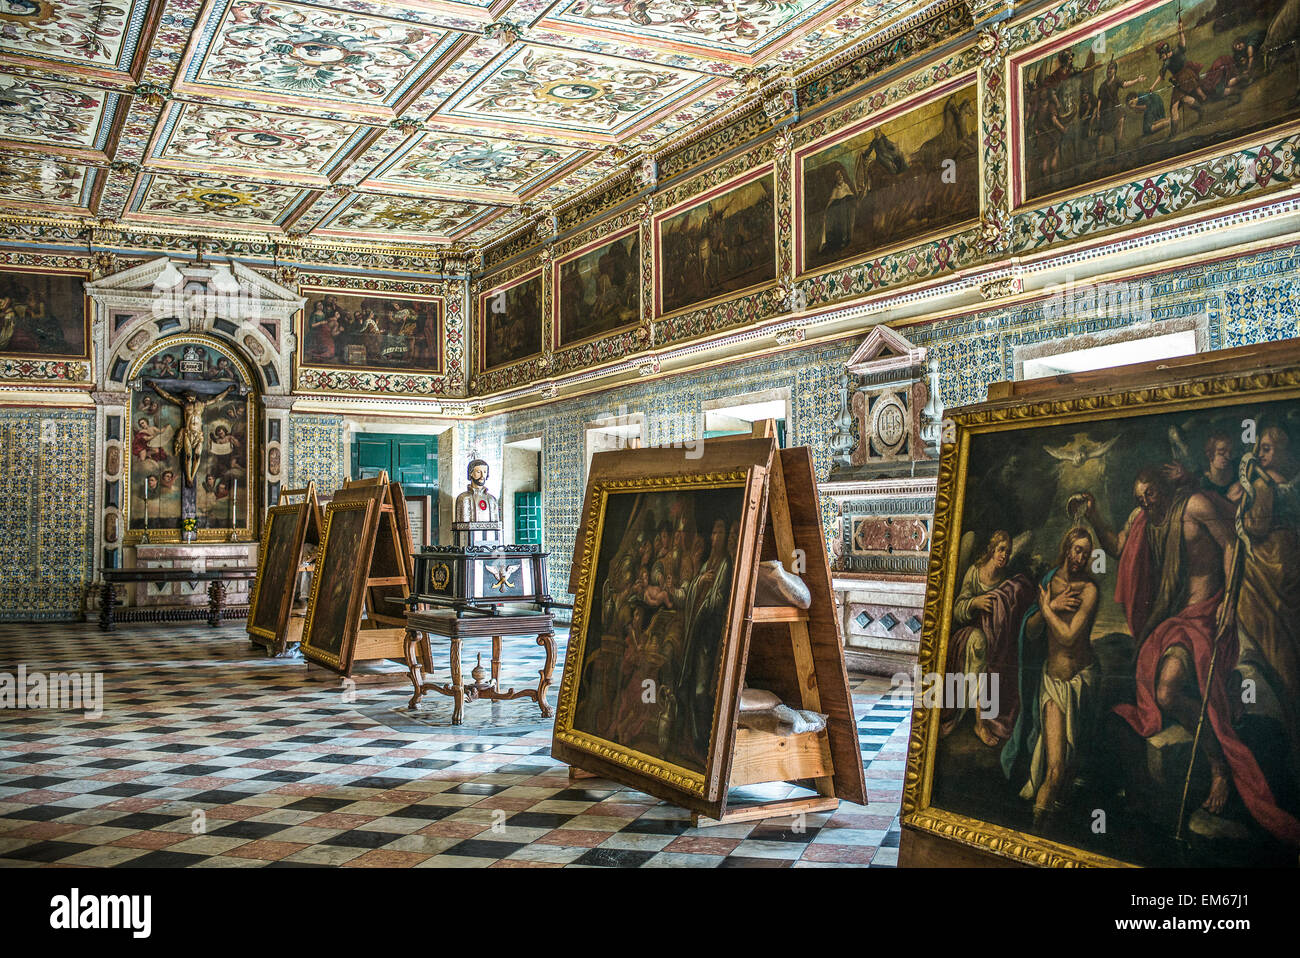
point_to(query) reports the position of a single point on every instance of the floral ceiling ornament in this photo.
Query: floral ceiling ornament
(751, 79)
(993, 42)
(154, 94)
(995, 232)
(124, 166)
(503, 34)
(406, 124)
(102, 263)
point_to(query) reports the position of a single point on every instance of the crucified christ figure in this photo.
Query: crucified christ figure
(189, 439)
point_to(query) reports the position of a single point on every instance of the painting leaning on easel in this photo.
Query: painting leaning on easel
(1092, 570)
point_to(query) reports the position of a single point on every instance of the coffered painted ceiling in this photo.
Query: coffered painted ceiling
(429, 121)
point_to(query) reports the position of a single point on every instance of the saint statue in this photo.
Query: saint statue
(189, 438)
(478, 512)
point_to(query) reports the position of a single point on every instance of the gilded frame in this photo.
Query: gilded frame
(942, 585)
(246, 532)
(950, 87)
(299, 513)
(557, 306)
(762, 171)
(699, 786)
(1015, 98)
(480, 330)
(300, 329)
(84, 275)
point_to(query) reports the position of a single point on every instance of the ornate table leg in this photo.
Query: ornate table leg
(107, 606)
(413, 666)
(457, 686)
(216, 602)
(496, 662)
(547, 641)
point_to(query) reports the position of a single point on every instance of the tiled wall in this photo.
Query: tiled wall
(1246, 300)
(47, 513)
(316, 453)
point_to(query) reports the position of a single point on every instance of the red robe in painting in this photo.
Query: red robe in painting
(1139, 590)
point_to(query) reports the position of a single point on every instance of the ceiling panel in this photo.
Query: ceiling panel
(373, 120)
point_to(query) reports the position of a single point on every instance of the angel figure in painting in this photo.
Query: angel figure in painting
(189, 440)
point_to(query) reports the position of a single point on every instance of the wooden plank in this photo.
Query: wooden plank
(823, 625)
(779, 613)
(768, 757)
(379, 644)
(788, 808)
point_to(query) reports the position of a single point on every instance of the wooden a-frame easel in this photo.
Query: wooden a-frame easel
(796, 654)
(383, 568)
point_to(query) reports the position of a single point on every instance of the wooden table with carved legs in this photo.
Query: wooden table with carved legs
(421, 625)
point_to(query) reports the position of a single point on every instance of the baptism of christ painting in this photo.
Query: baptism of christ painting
(1154, 88)
(1100, 567)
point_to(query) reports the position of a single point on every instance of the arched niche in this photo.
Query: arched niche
(192, 439)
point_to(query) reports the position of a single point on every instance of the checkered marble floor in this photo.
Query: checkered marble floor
(208, 754)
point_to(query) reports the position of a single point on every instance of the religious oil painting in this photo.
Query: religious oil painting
(337, 582)
(896, 181)
(1154, 89)
(371, 332)
(724, 243)
(655, 610)
(599, 289)
(1116, 662)
(43, 315)
(278, 570)
(190, 429)
(512, 322)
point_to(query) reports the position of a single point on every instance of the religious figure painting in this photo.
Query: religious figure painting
(600, 289)
(190, 425)
(723, 243)
(511, 323)
(371, 332)
(1153, 88)
(656, 611)
(1116, 673)
(43, 314)
(896, 181)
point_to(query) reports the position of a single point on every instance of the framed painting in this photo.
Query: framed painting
(1153, 85)
(162, 380)
(599, 289)
(720, 243)
(892, 180)
(344, 330)
(510, 322)
(337, 588)
(1108, 671)
(44, 315)
(664, 572)
(277, 570)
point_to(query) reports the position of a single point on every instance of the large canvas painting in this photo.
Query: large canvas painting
(156, 470)
(1155, 88)
(599, 289)
(724, 243)
(511, 323)
(1115, 589)
(653, 614)
(43, 314)
(899, 180)
(277, 570)
(334, 606)
(371, 332)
